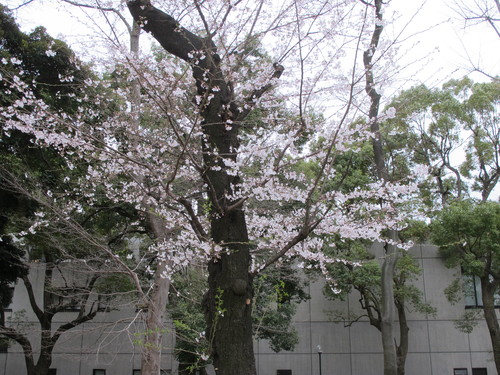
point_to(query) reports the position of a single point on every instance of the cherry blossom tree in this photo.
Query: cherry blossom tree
(208, 144)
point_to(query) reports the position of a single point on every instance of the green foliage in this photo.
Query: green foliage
(114, 283)
(468, 235)
(439, 122)
(277, 293)
(187, 314)
(454, 292)
(363, 273)
(416, 231)
(468, 321)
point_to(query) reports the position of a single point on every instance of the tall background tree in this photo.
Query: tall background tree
(454, 131)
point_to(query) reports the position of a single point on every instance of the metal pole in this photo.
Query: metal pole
(319, 357)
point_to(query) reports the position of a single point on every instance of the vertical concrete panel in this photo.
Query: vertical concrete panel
(367, 364)
(3, 363)
(15, 364)
(321, 308)
(444, 363)
(418, 339)
(331, 364)
(445, 338)
(333, 337)
(418, 364)
(437, 278)
(480, 338)
(484, 359)
(365, 338)
(70, 341)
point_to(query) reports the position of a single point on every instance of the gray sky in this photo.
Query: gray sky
(439, 40)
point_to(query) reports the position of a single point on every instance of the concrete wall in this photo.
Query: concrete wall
(436, 346)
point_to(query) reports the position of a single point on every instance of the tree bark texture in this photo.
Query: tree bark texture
(402, 348)
(391, 252)
(228, 300)
(156, 302)
(488, 294)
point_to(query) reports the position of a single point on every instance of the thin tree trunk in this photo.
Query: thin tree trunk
(155, 325)
(157, 299)
(490, 316)
(391, 252)
(156, 303)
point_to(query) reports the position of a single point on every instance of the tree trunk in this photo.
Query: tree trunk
(488, 294)
(402, 348)
(391, 252)
(228, 300)
(155, 325)
(156, 303)
(387, 312)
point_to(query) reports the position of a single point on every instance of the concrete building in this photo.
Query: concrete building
(106, 346)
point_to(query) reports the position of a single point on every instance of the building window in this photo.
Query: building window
(98, 372)
(472, 291)
(52, 371)
(283, 372)
(479, 371)
(136, 372)
(460, 371)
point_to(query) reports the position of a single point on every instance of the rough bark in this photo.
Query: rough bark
(391, 251)
(228, 300)
(488, 294)
(402, 348)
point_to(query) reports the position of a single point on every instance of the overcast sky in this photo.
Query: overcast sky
(441, 38)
